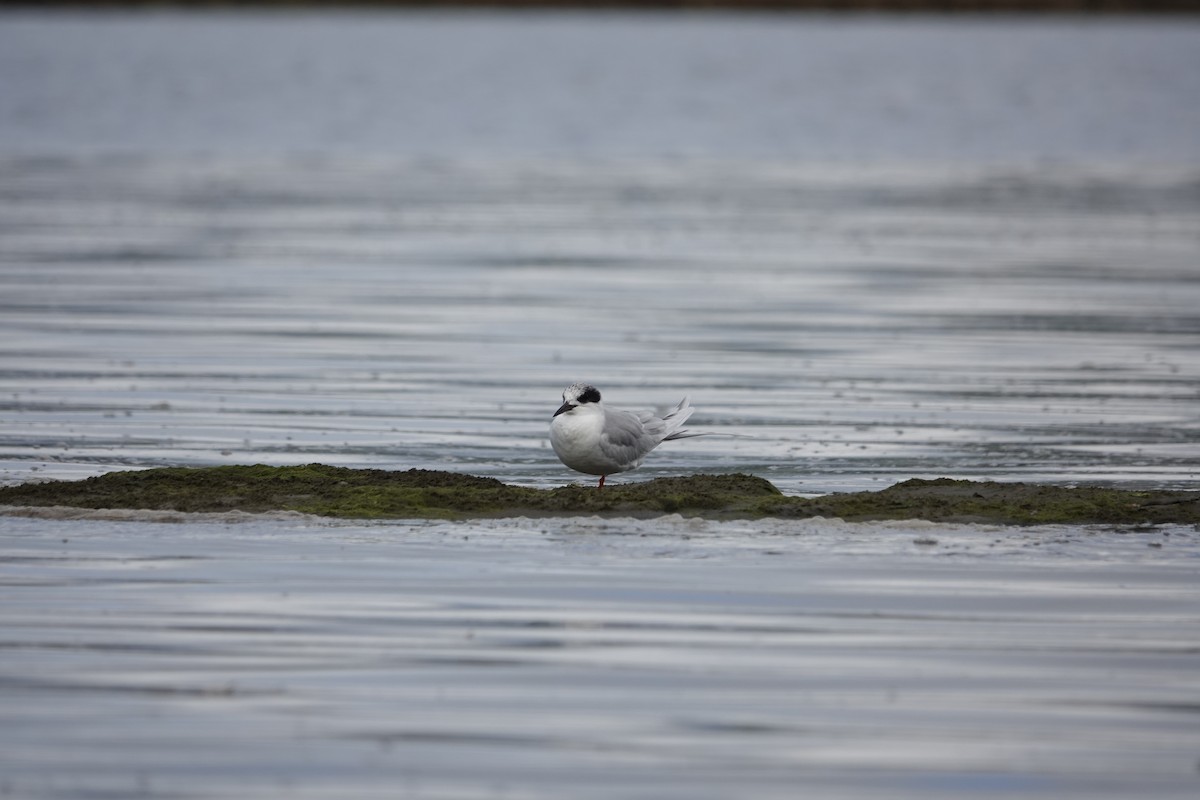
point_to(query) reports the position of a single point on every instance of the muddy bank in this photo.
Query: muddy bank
(369, 493)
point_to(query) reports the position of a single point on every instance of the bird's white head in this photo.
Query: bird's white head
(578, 394)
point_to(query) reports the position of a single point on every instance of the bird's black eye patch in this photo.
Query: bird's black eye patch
(590, 395)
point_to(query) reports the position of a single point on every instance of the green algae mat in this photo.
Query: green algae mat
(380, 494)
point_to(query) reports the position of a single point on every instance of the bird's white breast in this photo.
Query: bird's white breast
(575, 437)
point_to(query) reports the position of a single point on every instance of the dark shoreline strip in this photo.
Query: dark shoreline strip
(428, 494)
(826, 6)
(818, 6)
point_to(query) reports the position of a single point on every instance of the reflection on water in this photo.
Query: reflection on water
(595, 658)
(853, 327)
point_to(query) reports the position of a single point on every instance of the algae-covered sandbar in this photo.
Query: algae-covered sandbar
(415, 493)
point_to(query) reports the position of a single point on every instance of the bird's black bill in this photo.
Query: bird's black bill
(562, 408)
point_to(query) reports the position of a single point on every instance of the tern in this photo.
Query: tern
(591, 437)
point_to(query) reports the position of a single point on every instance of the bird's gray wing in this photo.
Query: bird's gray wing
(654, 425)
(627, 438)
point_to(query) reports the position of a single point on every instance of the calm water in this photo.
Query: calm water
(596, 659)
(852, 329)
(870, 248)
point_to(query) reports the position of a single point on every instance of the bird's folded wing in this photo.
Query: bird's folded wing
(626, 438)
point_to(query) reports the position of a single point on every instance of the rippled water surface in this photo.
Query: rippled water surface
(596, 658)
(868, 249)
(850, 327)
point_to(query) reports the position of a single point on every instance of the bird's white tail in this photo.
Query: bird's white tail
(675, 420)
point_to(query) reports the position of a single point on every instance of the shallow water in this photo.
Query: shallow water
(981, 263)
(851, 328)
(871, 249)
(596, 658)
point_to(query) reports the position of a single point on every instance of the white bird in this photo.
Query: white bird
(596, 439)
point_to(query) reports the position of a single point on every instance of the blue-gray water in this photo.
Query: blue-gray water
(596, 659)
(872, 248)
(851, 329)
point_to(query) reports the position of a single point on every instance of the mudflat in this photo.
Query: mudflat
(418, 493)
